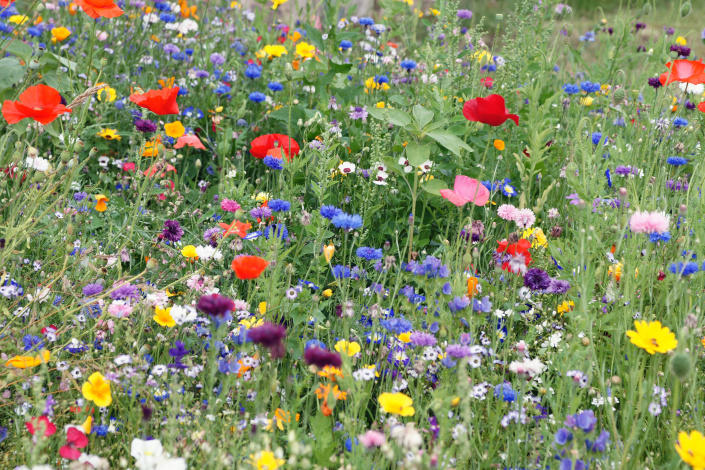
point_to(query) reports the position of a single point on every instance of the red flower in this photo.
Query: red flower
(490, 110)
(686, 71)
(6, 3)
(262, 144)
(248, 267)
(75, 440)
(701, 106)
(158, 101)
(35, 424)
(515, 249)
(97, 8)
(39, 102)
(238, 228)
(487, 81)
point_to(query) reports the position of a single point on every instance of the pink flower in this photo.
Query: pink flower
(372, 439)
(229, 205)
(120, 309)
(649, 222)
(507, 212)
(524, 218)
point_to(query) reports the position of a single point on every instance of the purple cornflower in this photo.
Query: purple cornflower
(464, 14)
(320, 358)
(92, 289)
(458, 351)
(261, 213)
(178, 351)
(358, 112)
(172, 231)
(211, 235)
(558, 287)
(217, 59)
(124, 292)
(421, 338)
(215, 305)
(537, 279)
(270, 336)
(654, 82)
(458, 304)
(145, 125)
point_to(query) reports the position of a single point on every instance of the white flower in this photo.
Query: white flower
(692, 89)
(149, 455)
(183, 314)
(407, 436)
(37, 163)
(530, 367)
(208, 252)
(346, 168)
(426, 166)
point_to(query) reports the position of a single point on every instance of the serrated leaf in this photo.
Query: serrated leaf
(434, 186)
(417, 154)
(422, 115)
(11, 72)
(450, 141)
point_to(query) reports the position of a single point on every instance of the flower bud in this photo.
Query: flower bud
(680, 365)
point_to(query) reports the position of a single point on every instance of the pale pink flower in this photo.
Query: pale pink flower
(525, 218)
(120, 309)
(507, 212)
(649, 222)
(372, 439)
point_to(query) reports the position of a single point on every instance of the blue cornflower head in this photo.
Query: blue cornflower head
(257, 97)
(222, 89)
(590, 87)
(275, 86)
(431, 267)
(506, 392)
(279, 231)
(680, 122)
(314, 343)
(447, 288)
(330, 211)
(381, 79)
(684, 269)
(396, 325)
(587, 37)
(408, 64)
(677, 161)
(596, 137)
(341, 272)
(508, 190)
(600, 443)
(32, 342)
(585, 420)
(279, 205)
(273, 162)
(253, 71)
(483, 305)
(571, 89)
(345, 45)
(366, 21)
(167, 17)
(563, 436)
(347, 221)
(458, 304)
(660, 237)
(365, 252)
(609, 177)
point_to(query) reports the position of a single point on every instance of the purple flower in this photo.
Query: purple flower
(92, 289)
(270, 336)
(178, 351)
(420, 338)
(172, 231)
(211, 235)
(319, 357)
(562, 436)
(586, 420)
(458, 351)
(215, 305)
(124, 292)
(557, 287)
(358, 112)
(537, 279)
(145, 125)
(261, 213)
(654, 82)
(458, 304)
(217, 59)
(464, 14)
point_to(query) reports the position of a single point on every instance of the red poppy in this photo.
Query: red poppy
(490, 110)
(686, 71)
(158, 101)
(515, 249)
(39, 102)
(487, 82)
(248, 267)
(238, 228)
(35, 424)
(75, 440)
(97, 8)
(262, 144)
(6, 3)
(701, 106)
(191, 140)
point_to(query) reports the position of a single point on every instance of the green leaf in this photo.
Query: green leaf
(417, 154)
(322, 429)
(398, 117)
(422, 115)
(434, 186)
(339, 68)
(20, 49)
(282, 114)
(11, 72)
(449, 141)
(315, 37)
(49, 59)
(57, 80)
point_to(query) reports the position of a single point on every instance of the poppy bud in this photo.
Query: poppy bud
(586, 341)
(686, 8)
(198, 163)
(680, 365)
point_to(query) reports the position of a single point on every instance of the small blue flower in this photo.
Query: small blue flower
(408, 65)
(365, 21)
(341, 272)
(330, 211)
(257, 97)
(677, 161)
(345, 45)
(590, 87)
(253, 71)
(347, 221)
(680, 122)
(273, 163)
(365, 252)
(275, 86)
(279, 205)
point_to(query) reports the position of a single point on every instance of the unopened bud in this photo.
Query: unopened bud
(680, 365)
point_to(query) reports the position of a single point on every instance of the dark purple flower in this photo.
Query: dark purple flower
(537, 279)
(215, 305)
(178, 351)
(92, 289)
(145, 125)
(270, 336)
(172, 231)
(654, 82)
(319, 357)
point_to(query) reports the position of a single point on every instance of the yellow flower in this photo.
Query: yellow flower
(680, 40)
(106, 93)
(498, 144)
(305, 50)
(586, 100)
(327, 293)
(347, 347)
(262, 307)
(455, 402)
(97, 390)
(434, 12)
(189, 251)
(24, 362)
(174, 129)
(101, 205)
(109, 134)
(652, 337)
(276, 3)
(251, 322)
(265, 459)
(163, 316)
(87, 425)
(380, 104)
(691, 448)
(615, 270)
(328, 252)
(275, 50)
(152, 147)
(396, 404)
(18, 19)
(482, 56)
(405, 337)
(538, 238)
(565, 307)
(261, 197)
(59, 34)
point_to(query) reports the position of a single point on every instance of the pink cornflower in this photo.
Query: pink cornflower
(229, 205)
(120, 309)
(507, 212)
(372, 439)
(649, 222)
(524, 218)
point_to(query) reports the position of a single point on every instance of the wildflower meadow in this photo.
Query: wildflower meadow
(310, 235)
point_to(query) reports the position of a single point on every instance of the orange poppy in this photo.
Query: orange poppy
(238, 228)
(248, 267)
(39, 102)
(97, 8)
(261, 146)
(160, 102)
(686, 71)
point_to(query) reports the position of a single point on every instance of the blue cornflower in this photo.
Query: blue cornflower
(587, 37)
(684, 269)
(330, 211)
(32, 342)
(253, 71)
(508, 190)
(167, 17)
(660, 237)
(275, 86)
(345, 45)
(365, 252)
(506, 392)
(609, 178)
(366, 21)
(483, 305)
(408, 65)
(563, 436)
(458, 303)
(596, 137)
(279, 205)
(590, 87)
(680, 122)
(341, 272)
(222, 89)
(677, 161)
(381, 79)
(273, 162)
(257, 97)
(347, 221)
(396, 325)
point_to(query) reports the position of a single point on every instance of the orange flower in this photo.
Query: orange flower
(24, 362)
(472, 286)
(238, 228)
(97, 8)
(331, 373)
(39, 102)
(101, 205)
(248, 267)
